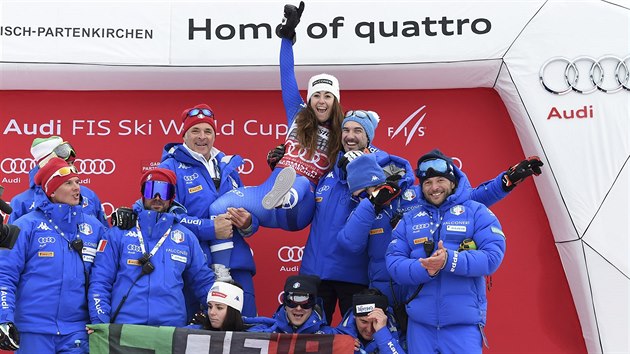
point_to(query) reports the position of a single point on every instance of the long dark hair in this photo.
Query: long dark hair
(307, 125)
(233, 320)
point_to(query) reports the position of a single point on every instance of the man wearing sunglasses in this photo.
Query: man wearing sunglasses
(300, 311)
(203, 174)
(44, 149)
(141, 273)
(448, 312)
(44, 278)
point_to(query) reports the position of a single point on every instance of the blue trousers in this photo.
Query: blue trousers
(35, 343)
(455, 339)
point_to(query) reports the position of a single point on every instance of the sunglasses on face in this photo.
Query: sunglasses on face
(64, 171)
(151, 189)
(438, 165)
(203, 111)
(304, 301)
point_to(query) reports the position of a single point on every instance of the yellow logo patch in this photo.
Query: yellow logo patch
(420, 240)
(195, 189)
(45, 254)
(377, 231)
(318, 199)
(133, 262)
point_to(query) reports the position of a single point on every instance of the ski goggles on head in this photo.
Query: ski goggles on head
(65, 151)
(305, 301)
(359, 114)
(437, 165)
(203, 111)
(64, 171)
(151, 189)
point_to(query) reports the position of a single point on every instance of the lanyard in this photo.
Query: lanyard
(63, 233)
(157, 245)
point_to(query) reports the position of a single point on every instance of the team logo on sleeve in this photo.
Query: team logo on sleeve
(458, 210)
(177, 236)
(102, 244)
(409, 194)
(85, 228)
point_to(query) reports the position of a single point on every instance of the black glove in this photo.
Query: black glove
(384, 194)
(291, 19)
(347, 157)
(519, 172)
(274, 155)
(200, 318)
(9, 337)
(125, 218)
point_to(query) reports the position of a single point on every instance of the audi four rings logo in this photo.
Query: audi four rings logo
(585, 74)
(84, 166)
(48, 239)
(192, 177)
(290, 253)
(247, 167)
(17, 165)
(95, 166)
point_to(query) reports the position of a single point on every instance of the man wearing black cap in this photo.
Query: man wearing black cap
(371, 323)
(300, 311)
(445, 248)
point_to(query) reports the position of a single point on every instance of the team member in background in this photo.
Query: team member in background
(44, 278)
(44, 149)
(140, 274)
(225, 303)
(300, 311)
(203, 174)
(446, 248)
(371, 323)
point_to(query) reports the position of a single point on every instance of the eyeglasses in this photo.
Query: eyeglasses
(438, 165)
(203, 111)
(64, 171)
(359, 114)
(304, 301)
(151, 189)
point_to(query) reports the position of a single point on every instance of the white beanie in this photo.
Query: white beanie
(323, 82)
(43, 147)
(228, 294)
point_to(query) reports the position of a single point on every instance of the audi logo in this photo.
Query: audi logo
(192, 177)
(134, 248)
(95, 166)
(290, 253)
(280, 296)
(458, 162)
(585, 74)
(44, 239)
(17, 165)
(247, 167)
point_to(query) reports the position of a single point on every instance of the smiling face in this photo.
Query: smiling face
(437, 189)
(200, 138)
(353, 136)
(68, 193)
(216, 314)
(322, 104)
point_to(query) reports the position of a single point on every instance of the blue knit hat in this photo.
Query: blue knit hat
(368, 120)
(364, 172)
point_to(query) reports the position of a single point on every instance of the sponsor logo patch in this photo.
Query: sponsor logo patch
(377, 231)
(43, 226)
(133, 262)
(195, 189)
(178, 258)
(420, 240)
(45, 254)
(456, 228)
